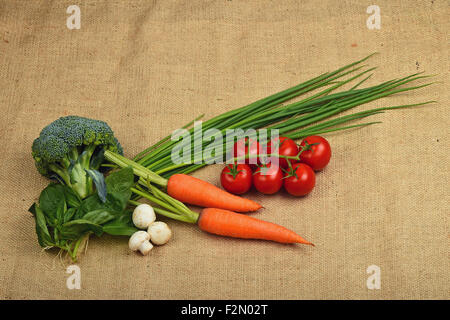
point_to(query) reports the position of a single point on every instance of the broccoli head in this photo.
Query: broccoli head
(69, 146)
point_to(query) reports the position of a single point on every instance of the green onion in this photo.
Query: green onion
(308, 116)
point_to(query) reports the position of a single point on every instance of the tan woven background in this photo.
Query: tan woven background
(146, 67)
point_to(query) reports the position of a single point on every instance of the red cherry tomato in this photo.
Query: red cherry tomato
(236, 179)
(246, 146)
(300, 181)
(317, 152)
(268, 180)
(284, 147)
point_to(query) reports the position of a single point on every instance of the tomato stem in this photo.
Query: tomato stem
(233, 170)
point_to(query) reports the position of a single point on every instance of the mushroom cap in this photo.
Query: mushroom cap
(137, 239)
(143, 216)
(159, 232)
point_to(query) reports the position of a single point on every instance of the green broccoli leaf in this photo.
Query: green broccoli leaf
(97, 159)
(99, 181)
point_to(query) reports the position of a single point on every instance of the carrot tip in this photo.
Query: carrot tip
(307, 243)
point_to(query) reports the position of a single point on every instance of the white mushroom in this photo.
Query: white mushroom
(143, 216)
(159, 232)
(140, 241)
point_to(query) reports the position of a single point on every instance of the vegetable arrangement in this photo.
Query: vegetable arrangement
(77, 153)
(216, 217)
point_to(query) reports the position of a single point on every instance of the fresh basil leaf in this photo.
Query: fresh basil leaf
(51, 198)
(120, 181)
(75, 229)
(92, 213)
(100, 184)
(119, 230)
(118, 200)
(121, 226)
(72, 198)
(69, 214)
(44, 237)
(99, 216)
(91, 203)
(60, 211)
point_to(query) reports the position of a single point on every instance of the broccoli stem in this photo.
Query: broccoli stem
(86, 155)
(61, 172)
(73, 154)
(81, 182)
(72, 170)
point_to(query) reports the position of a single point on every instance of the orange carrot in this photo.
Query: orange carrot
(231, 224)
(194, 191)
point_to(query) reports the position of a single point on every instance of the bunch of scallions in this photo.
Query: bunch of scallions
(315, 114)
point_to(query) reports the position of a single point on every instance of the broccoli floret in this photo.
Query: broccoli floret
(69, 146)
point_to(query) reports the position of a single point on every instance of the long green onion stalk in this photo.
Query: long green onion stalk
(296, 120)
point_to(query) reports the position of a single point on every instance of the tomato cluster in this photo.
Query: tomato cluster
(294, 170)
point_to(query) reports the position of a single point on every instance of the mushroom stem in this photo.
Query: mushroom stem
(140, 240)
(145, 247)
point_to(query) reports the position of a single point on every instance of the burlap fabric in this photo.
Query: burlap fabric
(147, 67)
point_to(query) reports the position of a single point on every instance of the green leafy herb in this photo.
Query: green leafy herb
(121, 225)
(120, 181)
(99, 216)
(69, 214)
(72, 198)
(75, 229)
(63, 220)
(44, 237)
(50, 200)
